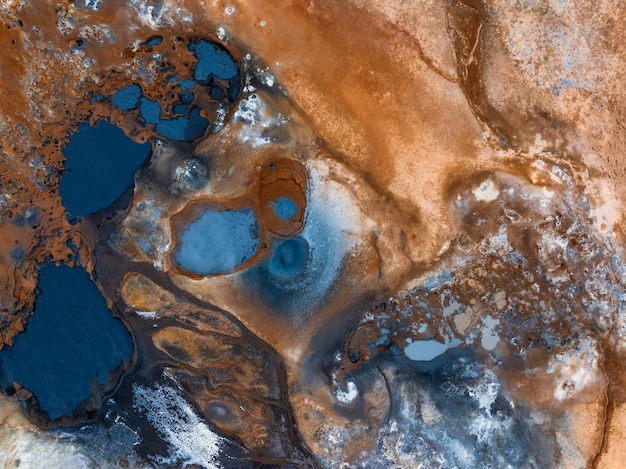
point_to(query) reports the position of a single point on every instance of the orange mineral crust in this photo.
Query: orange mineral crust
(287, 180)
(361, 233)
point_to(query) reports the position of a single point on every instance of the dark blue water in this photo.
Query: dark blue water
(196, 125)
(213, 60)
(100, 164)
(190, 126)
(127, 98)
(96, 98)
(187, 85)
(215, 73)
(183, 128)
(150, 111)
(182, 109)
(173, 129)
(154, 41)
(70, 341)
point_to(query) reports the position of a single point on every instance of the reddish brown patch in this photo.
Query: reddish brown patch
(282, 178)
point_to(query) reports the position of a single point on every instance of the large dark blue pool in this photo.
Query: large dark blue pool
(70, 345)
(100, 165)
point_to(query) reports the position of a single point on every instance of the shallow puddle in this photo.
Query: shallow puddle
(426, 350)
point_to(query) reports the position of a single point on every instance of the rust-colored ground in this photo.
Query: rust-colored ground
(411, 108)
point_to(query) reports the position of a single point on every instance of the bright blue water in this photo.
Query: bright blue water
(284, 207)
(100, 164)
(70, 340)
(213, 59)
(127, 98)
(218, 242)
(426, 350)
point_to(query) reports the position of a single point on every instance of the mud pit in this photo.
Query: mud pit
(416, 243)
